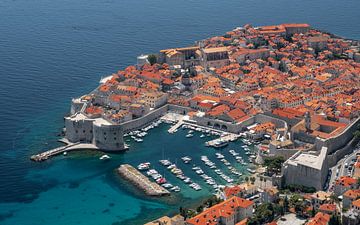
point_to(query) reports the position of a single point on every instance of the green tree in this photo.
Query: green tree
(199, 208)
(286, 204)
(152, 59)
(274, 164)
(247, 179)
(334, 220)
(252, 179)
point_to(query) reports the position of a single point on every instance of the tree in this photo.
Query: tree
(334, 220)
(252, 179)
(286, 204)
(152, 59)
(274, 164)
(247, 179)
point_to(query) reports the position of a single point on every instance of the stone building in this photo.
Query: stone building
(215, 57)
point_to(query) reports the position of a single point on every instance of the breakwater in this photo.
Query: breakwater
(142, 182)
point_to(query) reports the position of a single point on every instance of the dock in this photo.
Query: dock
(142, 182)
(59, 150)
(174, 128)
(226, 138)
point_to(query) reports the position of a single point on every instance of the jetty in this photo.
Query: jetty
(174, 128)
(142, 182)
(59, 150)
(226, 138)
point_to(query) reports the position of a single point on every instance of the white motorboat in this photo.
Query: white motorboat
(104, 157)
(143, 166)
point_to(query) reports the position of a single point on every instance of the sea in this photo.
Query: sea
(54, 50)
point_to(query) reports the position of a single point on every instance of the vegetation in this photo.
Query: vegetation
(252, 180)
(274, 164)
(297, 202)
(186, 213)
(300, 188)
(152, 59)
(265, 213)
(334, 220)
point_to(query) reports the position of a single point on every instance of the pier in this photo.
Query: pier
(59, 150)
(226, 138)
(141, 181)
(174, 128)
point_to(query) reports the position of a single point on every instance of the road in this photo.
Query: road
(340, 167)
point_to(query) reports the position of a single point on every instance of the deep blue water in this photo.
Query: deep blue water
(53, 50)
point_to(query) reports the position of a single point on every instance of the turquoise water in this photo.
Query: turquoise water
(53, 50)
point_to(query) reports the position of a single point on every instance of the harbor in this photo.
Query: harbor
(196, 169)
(142, 182)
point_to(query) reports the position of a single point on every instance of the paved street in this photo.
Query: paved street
(340, 170)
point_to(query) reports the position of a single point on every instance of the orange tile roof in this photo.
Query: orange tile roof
(328, 207)
(356, 203)
(94, 110)
(236, 114)
(242, 222)
(346, 181)
(319, 219)
(352, 194)
(223, 209)
(232, 191)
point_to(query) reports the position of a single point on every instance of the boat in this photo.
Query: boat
(189, 135)
(151, 172)
(250, 170)
(186, 159)
(202, 136)
(220, 144)
(172, 166)
(219, 155)
(139, 140)
(65, 153)
(161, 180)
(175, 189)
(187, 180)
(199, 171)
(165, 162)
(167, 185)
(143, 166)
(196, 168)
(104, 157)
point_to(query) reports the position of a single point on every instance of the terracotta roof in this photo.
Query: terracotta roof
(352, 194)
(328, 207)
(356, 203)
(319, 219)
(223, 209)
(346, 181)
